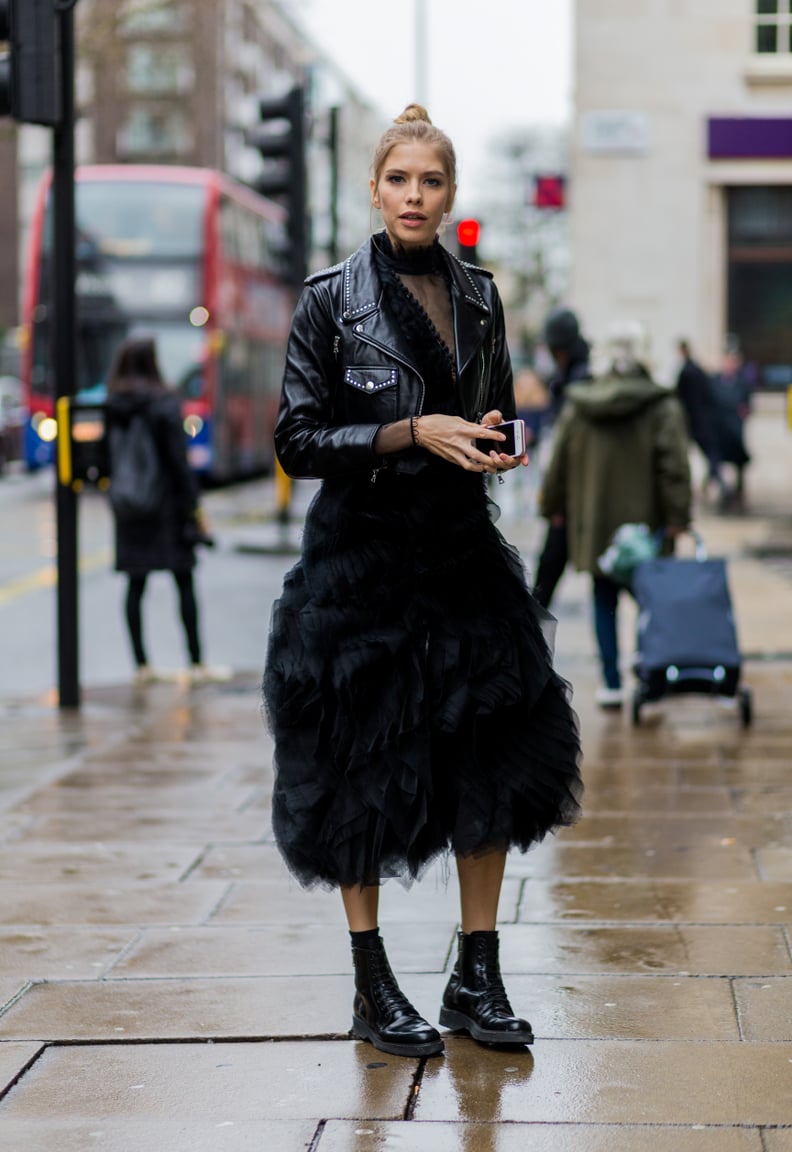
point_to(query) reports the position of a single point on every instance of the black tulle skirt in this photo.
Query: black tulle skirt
(409, 687)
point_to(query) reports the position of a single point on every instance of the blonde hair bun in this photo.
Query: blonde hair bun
(413, 113)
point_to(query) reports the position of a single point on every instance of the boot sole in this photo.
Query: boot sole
(361, 1030)
(458, 1022)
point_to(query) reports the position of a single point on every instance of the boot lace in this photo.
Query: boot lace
(389, 995)
(493, 999)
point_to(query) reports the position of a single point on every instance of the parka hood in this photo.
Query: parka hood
(129, 401)
(612, 397)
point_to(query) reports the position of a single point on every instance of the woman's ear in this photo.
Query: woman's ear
(375, 200)
(449, 204)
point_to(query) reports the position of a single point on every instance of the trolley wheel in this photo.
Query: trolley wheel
(746, 707)
(637, 701)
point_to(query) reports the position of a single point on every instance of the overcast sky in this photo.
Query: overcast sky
(492, 64)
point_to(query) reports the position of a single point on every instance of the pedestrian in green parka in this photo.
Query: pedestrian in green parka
(620, 456)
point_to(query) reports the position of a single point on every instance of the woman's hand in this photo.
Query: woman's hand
(453, 438)
(504, 463)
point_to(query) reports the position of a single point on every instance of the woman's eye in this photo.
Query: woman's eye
(433, 181)
(394, 179)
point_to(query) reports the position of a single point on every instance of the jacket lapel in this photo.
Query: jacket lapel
(472, 316)
(361, 308)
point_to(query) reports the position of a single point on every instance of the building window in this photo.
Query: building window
(154, 69)
(140, 17)
(774, 27)
(155, 133)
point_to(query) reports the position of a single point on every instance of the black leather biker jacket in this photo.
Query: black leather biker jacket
(350, 369)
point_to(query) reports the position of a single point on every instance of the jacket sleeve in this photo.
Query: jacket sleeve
(553, 493)
(501, 386)
(308, 443)
(185, 483)
(672, 465)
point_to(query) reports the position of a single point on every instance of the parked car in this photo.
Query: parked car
(12, 420)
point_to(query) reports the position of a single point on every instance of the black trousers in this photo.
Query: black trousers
(188, 607)
(552, 563)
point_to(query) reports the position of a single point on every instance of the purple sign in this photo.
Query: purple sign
(749, 137)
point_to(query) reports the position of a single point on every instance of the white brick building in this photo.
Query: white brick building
(681, 190)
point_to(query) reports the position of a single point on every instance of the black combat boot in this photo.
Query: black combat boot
(475, 1000)
(381, 1012)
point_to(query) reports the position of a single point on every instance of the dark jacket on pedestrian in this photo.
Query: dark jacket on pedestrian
(157, 543)
(731, 402)
(620, 456)
(694, 389)
(577, 370)
(342, 332)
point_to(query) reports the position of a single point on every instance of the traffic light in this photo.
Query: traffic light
(550, 192)
(468, 232)
(30, 65)
(280, 138)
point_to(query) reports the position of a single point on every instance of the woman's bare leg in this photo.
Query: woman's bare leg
(480, 879)
(361, 906)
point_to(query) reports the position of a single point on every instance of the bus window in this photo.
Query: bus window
(138, 218)
(180, 348)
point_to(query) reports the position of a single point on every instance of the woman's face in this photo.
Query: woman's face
(412, 194)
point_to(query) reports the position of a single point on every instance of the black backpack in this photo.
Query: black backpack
(137, 480)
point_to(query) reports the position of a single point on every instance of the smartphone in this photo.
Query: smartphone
(513, 445)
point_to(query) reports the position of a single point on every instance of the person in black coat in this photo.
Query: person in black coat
(166, 539)
(732, 390)
(570, 354)
(409, 685)
(695, 392)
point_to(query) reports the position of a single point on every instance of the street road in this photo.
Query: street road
(235, 588)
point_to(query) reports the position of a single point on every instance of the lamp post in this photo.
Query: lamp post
(65, 359)
(421, 52)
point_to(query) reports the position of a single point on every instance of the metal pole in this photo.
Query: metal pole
(333, 147)
(65, 364)
(421, 53)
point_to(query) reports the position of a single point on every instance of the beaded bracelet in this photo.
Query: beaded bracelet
(414, 430)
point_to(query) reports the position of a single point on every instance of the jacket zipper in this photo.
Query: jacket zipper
(389, 351)
(484, 383)
(395, 355)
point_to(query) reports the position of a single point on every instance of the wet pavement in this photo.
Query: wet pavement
(164, 985)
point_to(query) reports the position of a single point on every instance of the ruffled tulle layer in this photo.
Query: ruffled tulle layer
(410, 689)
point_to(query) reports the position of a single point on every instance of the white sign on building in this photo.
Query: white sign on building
(614, 132)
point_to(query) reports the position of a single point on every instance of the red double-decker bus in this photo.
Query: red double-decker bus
(185, 255)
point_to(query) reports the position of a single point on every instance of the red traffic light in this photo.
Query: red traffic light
(468, 232)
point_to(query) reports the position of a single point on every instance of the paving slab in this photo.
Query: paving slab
(626, 1082)
(735, 902)
(9, 988)
(143, 824)
(777, 1141)
(627, 1007)
(765, 1008)
(271, 1007)
(374, 1136)
(708, 950)
(113, 903)
(132, 1135)
(14, 1059)
(91, 862)
(276, 901)
(210, 1082)
(774, 863)
(709, 831)
(278, 950)
(728, 858)
(62, 953)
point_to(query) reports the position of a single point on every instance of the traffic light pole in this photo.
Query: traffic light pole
(65, 361)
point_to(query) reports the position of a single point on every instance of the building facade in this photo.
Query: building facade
(178, 82)
(681, 189)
